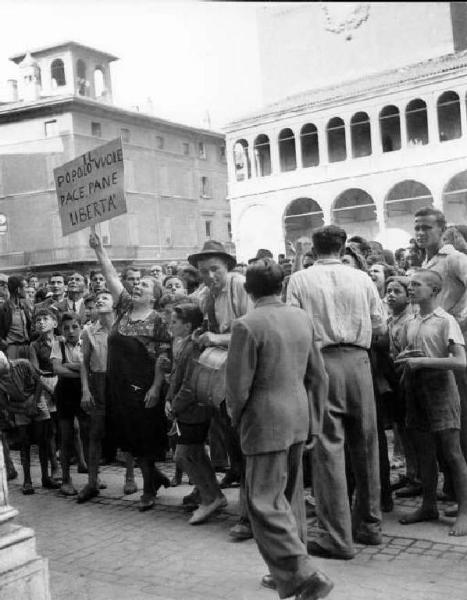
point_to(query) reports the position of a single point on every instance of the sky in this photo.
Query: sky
(192, 59)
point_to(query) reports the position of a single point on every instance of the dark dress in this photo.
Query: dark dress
(133, 347)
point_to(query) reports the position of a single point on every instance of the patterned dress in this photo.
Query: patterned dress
(133, 348)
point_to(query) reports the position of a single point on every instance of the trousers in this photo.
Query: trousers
(349, 419)
(276, 509)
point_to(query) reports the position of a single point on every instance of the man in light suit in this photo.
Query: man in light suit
(276, 387)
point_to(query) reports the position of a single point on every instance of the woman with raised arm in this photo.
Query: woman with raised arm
(137, 346)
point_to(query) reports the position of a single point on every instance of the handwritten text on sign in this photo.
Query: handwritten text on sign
(90, 188)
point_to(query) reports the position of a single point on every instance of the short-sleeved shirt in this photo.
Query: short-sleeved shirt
(396, 325)
(432, 334)
(343, 303)
(96, 336)
(452, 266)
(72, 353)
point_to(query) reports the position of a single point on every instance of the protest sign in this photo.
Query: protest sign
(90, 188)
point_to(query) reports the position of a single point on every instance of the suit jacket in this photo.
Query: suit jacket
(5, 320)
(276, 383)
(62, 307)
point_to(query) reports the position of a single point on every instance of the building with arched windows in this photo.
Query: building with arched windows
(60, 107)
(382, 132)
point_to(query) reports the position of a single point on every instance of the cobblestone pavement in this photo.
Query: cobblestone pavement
(107, 550)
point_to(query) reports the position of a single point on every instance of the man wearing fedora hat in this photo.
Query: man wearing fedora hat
(224, 301)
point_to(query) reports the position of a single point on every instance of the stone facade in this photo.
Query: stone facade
(365, 153)
(175, 175)
(23, 573)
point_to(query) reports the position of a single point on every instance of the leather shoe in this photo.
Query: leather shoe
(87, 493)
(203, 513)
(368, 539)
(316, 549)
(317, 586)
(130, 487)
(241, 531)
(268, 582)
(27, 489)
(146, 502)
(49, 484)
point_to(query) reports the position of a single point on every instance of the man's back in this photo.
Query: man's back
(268, 360)
(342, 302)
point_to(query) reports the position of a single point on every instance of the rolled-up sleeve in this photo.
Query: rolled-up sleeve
(240, 370)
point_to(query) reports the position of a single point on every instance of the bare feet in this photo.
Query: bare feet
(460, 526)
(419, 516)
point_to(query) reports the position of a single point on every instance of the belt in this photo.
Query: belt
(18, 343)
(337, 346)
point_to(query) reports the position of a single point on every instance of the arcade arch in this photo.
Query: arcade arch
(355, 211)
(403, 200)
(455, 199)
(301, 217)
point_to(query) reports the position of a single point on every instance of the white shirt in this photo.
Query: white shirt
(342, 302)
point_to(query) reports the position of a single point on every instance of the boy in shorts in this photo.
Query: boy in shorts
(45, 323)
(20, 391)
(434, 346)
(66, 361)
(192, 417)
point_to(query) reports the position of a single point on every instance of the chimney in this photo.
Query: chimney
(12, 87)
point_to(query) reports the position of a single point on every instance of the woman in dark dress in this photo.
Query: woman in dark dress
(137, 346)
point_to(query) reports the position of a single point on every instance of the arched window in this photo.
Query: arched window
(336, 140)
(302, 217)
(263, 155)
(449, 117)
(403, 201)
(287, 155)
(241, 160)
(455, 199)
(99, 82)
(390, 128)
(417, 122)
(310, 148)
(57, 72)
(81, 77)
(360, 135)
(355, 211)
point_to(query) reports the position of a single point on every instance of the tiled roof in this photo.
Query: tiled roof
(17, 58)
(356, 87)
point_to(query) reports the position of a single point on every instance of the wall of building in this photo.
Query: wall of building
(298, 51)
(166, 206)
(260, 203)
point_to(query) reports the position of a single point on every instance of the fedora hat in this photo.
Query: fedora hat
(212, 249)
(262, 253)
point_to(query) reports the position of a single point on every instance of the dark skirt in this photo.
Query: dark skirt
(139, 430)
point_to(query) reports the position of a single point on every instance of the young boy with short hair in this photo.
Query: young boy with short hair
(45, 323)
(66, 360)
(434, 346)
(192, 417)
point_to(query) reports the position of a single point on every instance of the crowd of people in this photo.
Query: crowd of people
(278, 373)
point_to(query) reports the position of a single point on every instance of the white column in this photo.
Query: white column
(23, 573)
(380, 216)
(462, 107)
(403, 124)
(322, 144)
(376, 144)
(433, 126)
(348, 140)
(298, 147)
(251, 156)
(274, 146)
(326, 208)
